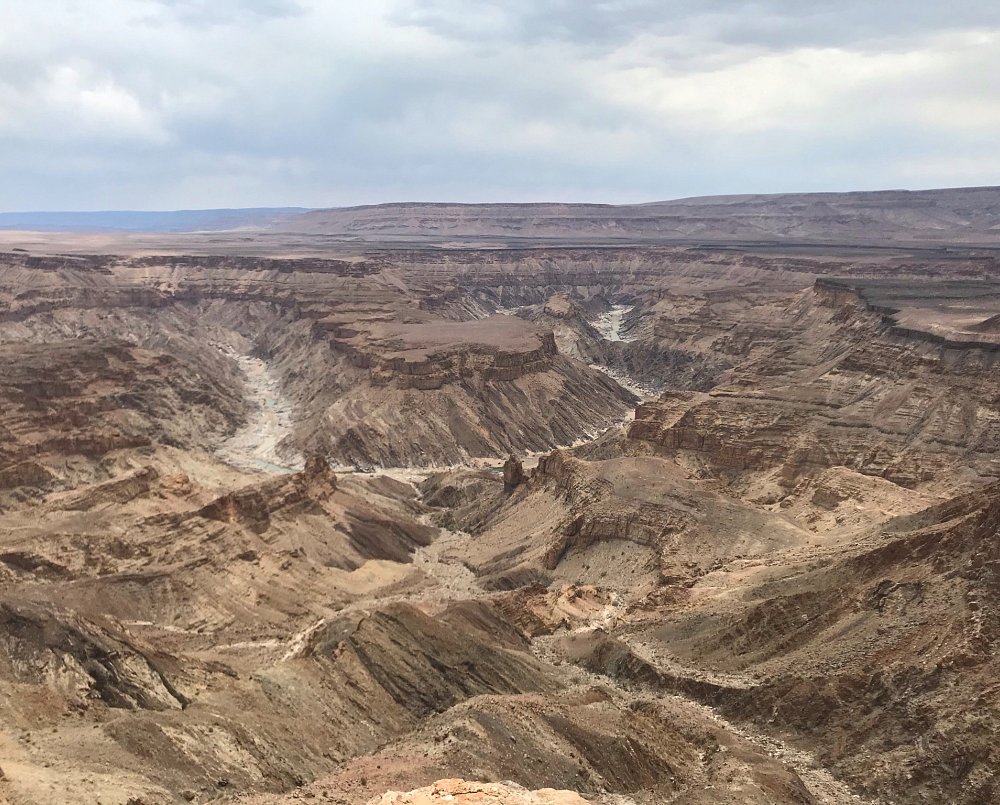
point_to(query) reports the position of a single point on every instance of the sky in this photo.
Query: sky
(167, 104)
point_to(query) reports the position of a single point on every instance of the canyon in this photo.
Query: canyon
(693, 502)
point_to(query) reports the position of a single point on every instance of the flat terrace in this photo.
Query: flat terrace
(960, 313)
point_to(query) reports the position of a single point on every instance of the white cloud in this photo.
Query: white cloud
(77, 103)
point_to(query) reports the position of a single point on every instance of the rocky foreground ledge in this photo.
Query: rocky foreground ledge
(462, 792)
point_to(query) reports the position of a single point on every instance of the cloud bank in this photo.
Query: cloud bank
(154, 104)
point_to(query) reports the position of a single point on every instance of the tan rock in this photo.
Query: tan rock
(513, 473)
(463, 792)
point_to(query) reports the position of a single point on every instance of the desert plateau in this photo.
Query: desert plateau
(687, 503)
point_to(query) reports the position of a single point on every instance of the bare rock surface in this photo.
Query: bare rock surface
(513, 474)
(463, 792)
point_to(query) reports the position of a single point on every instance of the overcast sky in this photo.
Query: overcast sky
(162, 104)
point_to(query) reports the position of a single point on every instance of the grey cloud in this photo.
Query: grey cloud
(160, 103)
(767, 23)
(214, 12)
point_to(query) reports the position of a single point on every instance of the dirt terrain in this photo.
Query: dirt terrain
(387, 522)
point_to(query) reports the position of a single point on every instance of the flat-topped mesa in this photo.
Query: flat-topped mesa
(430, 355)
(654, 418)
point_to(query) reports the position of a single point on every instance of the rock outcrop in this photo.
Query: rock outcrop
(871, 656)
(253, 506)
(93, 662)
(462, 792)
(513, 474)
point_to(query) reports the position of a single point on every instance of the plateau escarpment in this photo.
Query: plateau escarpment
(960, 215)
